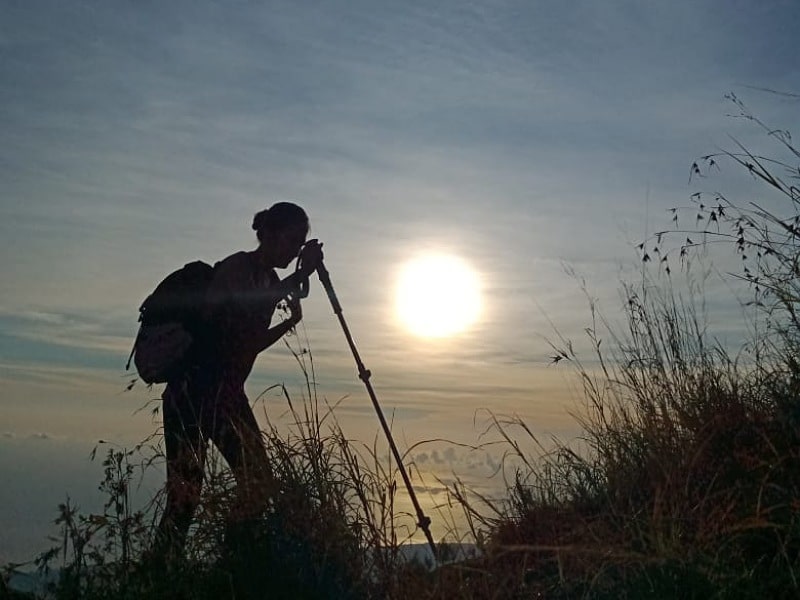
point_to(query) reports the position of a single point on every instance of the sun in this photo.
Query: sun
(437, 296)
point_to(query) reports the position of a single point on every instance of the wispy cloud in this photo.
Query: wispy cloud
(72, 378)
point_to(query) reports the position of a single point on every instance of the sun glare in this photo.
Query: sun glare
(437, 296)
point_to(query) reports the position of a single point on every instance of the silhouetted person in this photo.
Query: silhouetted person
(208, 402)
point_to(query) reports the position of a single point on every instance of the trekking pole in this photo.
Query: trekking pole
(364, 375)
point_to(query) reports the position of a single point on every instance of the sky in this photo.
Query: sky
(528, 138)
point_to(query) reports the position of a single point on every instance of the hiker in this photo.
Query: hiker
(207, 402)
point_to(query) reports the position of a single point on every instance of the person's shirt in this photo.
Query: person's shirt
(239, 303)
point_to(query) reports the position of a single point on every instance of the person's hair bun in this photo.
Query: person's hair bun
(260, 220)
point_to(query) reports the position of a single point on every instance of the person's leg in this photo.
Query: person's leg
(248, 544)
(185, 450)
(238, 438)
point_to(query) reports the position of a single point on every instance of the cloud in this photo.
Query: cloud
(65, 362)
(90, 332)
(55, 377)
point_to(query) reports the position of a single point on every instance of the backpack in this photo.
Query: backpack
(170, 318)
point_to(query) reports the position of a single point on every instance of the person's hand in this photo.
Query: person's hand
(294, 308)
(310, 257)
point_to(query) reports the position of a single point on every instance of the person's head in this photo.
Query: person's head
(281, 231)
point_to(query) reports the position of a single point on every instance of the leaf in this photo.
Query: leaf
(694, 170)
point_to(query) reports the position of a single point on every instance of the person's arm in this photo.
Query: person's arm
(265, 338)
(288, 285)
(288, 288)
(310, 257)
(229, 315)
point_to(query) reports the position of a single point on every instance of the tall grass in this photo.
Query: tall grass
(688, 482)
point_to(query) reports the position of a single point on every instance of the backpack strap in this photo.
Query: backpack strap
(130, 356)
(135, 343)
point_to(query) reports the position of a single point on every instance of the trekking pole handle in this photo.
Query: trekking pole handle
(303, 284)
(302, 288)
(325, 280)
